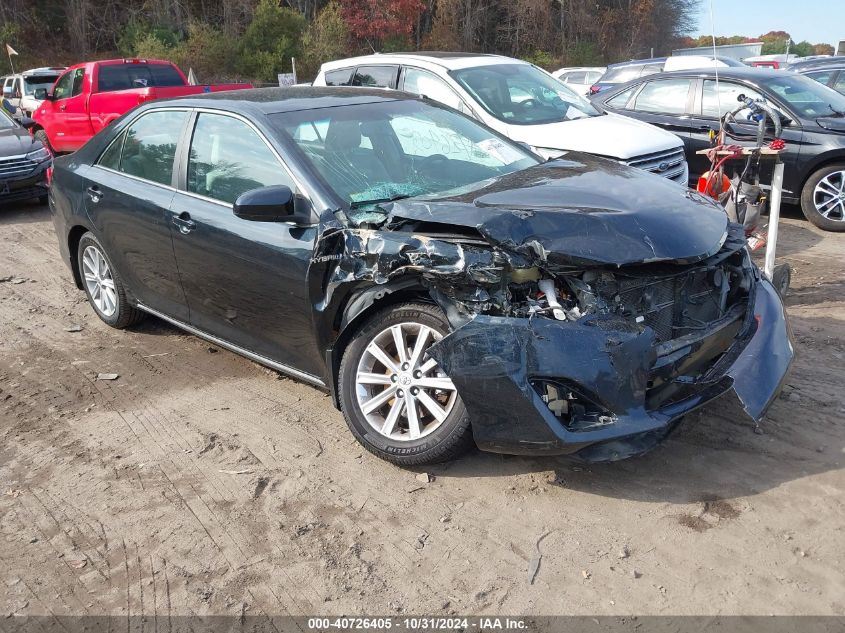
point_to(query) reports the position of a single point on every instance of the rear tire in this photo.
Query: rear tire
(823, 198)
(421, 419)
(103, 285)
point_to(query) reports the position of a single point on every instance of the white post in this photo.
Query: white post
(774, 220)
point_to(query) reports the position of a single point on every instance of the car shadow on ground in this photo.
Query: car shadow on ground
(24, 211)
(709, 456)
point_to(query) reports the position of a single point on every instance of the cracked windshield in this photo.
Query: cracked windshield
(375, 153)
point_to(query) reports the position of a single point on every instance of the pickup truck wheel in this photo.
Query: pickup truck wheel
(396, 400)
(41, 135)
(103, 285)
(823, 198)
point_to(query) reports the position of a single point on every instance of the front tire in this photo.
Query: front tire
(397, 401)
(41, 135)
(823, 198)
(103, 286)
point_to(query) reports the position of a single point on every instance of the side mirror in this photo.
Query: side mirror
(269, 204)
(41, 94)
(26, 122)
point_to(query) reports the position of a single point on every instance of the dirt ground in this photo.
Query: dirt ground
(198, 482)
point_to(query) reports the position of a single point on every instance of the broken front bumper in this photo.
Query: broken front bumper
(642, 388)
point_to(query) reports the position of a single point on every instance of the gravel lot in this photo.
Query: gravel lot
(198, 482)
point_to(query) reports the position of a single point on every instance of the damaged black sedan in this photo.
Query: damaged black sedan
(444, 284)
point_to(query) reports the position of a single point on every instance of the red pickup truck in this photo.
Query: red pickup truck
(90, 95)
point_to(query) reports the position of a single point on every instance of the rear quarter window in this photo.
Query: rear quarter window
(339, 77)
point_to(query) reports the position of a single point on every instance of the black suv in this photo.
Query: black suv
(689, 104)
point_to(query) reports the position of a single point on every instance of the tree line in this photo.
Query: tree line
(255, 39)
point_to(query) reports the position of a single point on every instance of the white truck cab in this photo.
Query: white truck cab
(19, 89)
(519, 100)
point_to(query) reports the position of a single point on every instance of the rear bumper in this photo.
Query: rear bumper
(31, 185)
(494, 360)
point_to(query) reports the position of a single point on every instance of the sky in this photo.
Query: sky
(817, 21)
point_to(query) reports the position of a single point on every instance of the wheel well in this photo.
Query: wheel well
(826, 162)
(73, 238)
(408, 292)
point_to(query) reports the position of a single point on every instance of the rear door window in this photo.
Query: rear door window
(376, 76)
(150, 146)
(664, 96)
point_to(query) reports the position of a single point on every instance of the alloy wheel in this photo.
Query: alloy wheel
(99, 281)
(829, 196)
(403, 394)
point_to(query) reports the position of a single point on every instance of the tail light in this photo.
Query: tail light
(594, 89)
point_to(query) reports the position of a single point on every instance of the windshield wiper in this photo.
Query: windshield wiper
(364, 203)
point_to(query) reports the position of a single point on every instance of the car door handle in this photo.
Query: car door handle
(62, 107)
(705, 128)
(94, 193)
(184, 222)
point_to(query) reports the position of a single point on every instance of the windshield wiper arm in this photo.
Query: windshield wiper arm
(363, 203)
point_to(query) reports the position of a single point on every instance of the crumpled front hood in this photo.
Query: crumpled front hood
(583, 210)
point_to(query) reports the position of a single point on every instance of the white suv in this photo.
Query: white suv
(519, 100)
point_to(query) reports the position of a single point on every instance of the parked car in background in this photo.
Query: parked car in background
(829, 72)
(20, 89)
(808, 63)
(774, 62)
(516, 99)
(89, 96)
(689, 103)
(443, 284)
(24, 162)
(579, 79)
(628, 71)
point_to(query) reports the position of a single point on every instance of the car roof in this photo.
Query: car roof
(289, 99)
(638, 62)
(449, 61)
(567, 69)
(823, 62)
(45, 70)
(749, 73)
